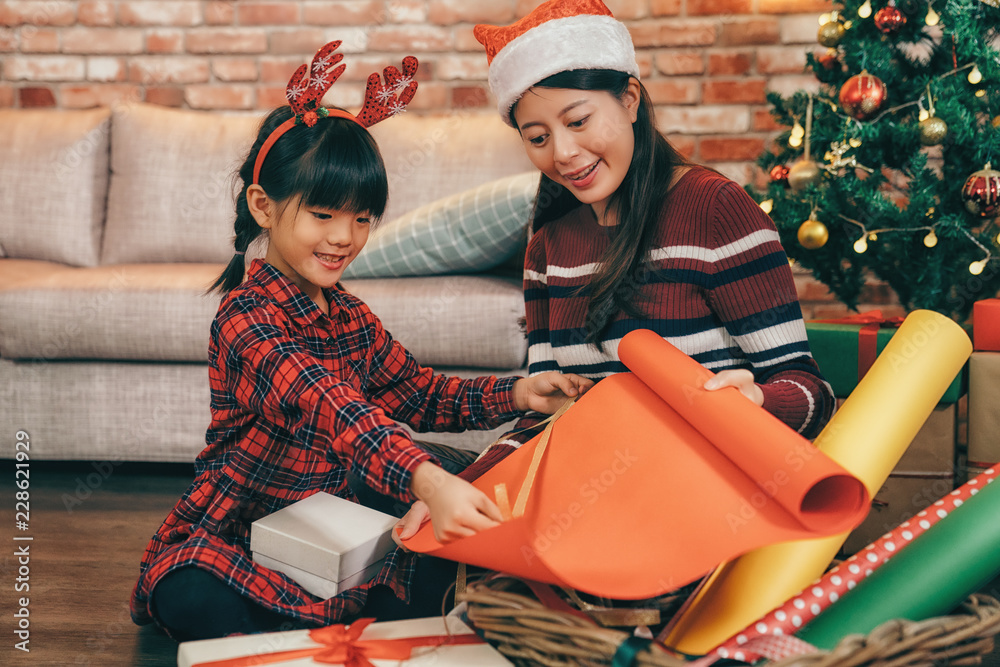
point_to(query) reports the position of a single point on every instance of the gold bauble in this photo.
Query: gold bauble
(996, 121)
(813, 234)
(830, 33)
(933, 130)
(803, 173)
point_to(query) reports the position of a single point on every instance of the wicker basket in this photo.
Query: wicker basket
(529, 633)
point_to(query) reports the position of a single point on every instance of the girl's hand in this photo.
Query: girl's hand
(740, 378)
(456, 508)
(408, 526)
(548, 391)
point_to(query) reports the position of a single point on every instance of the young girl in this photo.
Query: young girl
(627, 235)
(306, 383)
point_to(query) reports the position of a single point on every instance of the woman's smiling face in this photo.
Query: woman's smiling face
(581, 139)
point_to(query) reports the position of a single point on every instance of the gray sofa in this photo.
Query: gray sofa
(114, 221)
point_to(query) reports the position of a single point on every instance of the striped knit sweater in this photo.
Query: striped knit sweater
(716, 284)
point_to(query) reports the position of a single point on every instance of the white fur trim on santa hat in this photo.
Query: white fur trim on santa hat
(575, 42)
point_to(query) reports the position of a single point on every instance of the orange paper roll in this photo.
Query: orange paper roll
(649, 481)
(867, 436)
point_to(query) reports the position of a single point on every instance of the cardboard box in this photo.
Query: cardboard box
(835, 349)
(899, 499)
(986, 325)
(324, 543)
(933, 448)
(984, 408)
(191, 654)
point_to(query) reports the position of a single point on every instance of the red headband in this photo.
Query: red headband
(382, 100)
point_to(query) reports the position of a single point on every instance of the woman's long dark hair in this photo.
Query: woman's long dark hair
(637, 204)
(335, 164)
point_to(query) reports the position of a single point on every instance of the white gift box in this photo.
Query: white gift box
(191, 654)
(326, 544)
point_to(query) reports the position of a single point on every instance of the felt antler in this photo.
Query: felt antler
(304, 96)
(383, 100)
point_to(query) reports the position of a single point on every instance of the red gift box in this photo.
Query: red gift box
(986, 325)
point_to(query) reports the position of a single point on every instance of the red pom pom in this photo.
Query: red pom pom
(310, 118)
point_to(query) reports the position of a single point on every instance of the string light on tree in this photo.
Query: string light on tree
(865, 10)
(975, 76)
(931, 239)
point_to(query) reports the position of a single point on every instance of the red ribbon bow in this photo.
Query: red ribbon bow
(342, 645)
(870, 322)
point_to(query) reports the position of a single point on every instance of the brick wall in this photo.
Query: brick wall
(706, 63)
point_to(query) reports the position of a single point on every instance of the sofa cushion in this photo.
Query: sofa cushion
(171, 194)
(54, 171)
(159, 312)
(471, 231)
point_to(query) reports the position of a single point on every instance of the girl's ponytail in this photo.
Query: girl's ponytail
(247, 230)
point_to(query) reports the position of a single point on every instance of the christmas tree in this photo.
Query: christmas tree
(887, 169)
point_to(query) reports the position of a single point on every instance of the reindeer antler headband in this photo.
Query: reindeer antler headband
(382, 100)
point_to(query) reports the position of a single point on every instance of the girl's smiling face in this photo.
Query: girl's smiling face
(581, 139)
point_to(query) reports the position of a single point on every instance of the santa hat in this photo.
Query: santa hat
(558, 36)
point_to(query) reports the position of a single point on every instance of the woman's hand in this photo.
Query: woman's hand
(455, 507)
(548, 391)
(740, 378)
(408, 526)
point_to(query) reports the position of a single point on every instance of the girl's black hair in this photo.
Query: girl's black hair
(637, 205)
(335, 164)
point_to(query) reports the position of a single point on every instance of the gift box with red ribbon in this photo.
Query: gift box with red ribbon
(845, 348)
(986, 325)
(420, 642)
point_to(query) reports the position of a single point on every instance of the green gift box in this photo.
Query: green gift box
(839, 349)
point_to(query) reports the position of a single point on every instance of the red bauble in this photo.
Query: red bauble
(829, 60)
(863, 96)
(889, 20)
(779, 174)
(981, 192)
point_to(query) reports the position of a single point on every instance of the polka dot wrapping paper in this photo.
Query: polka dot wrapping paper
(769, 637)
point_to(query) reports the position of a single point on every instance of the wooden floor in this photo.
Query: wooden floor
(89, 529)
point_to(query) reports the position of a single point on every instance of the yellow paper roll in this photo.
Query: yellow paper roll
(867, 435)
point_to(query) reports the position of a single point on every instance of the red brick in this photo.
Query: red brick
(788, 84)
(346, 96)
(107, 69)
(156, 12)
(269, 97)
(226, 40)
(267, 13)
(466, 41)
(95, 13)
(793, 6)
(235, 96)
(680, 62)
(405, 11)
(6, 95)
(410, 38)
(799, 29)
(781, 60)
(363, 66)
(9, 41)
(219, 12)
(447, 12)
(158, 70)
(754, 31)
(463, 68)
(703, 119)
(731, 63)
(37, 12)
(464, 97)
(673, 91)
(525, 7)
(166, 96)
(36, 96)
(434, 96)
(297, 40)
(235, 69)
(98, 95)
(102, 40)
(664, 7)
(673, 33)
(763, 121)
(684, 145)
(627, 10)
(39, 40)
(729, 149)
(354, 40)
(351, 12)
(644, 59)
(735, 91)
(719, 7)
(278, 70)
(44, 68)
(164, 41)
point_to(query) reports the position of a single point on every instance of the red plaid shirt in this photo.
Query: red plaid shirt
(298, 398)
